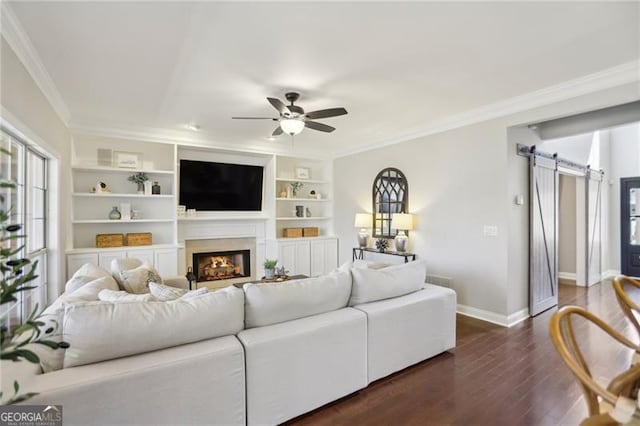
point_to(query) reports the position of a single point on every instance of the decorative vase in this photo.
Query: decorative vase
(147, 187)
(155, 189)
(140, 187)
(299, 211)
(115, 214)
(269, 274)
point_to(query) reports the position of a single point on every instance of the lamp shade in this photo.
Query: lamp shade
(363, 220)
(402, 221)
(291, 126)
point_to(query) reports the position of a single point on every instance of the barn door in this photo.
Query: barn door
(594, 226)
(543, 269)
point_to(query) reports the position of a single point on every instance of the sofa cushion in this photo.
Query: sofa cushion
(98, 331)
(52, 317)
(123, 297)
(267, 304)
(76, 282)
(137, 280)
(370, 285)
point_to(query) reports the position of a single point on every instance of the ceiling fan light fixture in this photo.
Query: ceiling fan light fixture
(291, 126)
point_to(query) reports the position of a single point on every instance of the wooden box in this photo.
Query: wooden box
(139, 239)
(310, 232)
(109, 240)
(292, 232)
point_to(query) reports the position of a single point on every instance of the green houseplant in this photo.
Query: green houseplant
(17, 273)
(139, 178)
(270, 268)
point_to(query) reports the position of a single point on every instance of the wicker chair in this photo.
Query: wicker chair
(600, 400)
(629, 307)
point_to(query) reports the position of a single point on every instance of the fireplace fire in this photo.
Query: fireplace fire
(216, 266)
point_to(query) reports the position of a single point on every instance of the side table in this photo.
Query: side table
(358, 253)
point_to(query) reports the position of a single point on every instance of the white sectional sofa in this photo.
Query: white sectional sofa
(283, 350)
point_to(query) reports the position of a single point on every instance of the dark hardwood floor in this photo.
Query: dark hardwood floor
(495, 376)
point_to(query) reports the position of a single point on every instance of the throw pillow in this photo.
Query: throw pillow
(370, 264)
(194, 293)
(50, 359)
(89, 292)
(76, 282)
(123, 297)
(137, 280)
(370, 285)
(123, 264)
(164, 293)
(91, 270)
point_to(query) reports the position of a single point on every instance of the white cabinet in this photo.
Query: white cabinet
(75, 261)
(324, 256)
(312, 256)
(105, 258)
(166, 262)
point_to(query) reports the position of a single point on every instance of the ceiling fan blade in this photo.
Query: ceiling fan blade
(326, 113)
(254, 118)
(319, 126)
(279, 105)
(277, 131)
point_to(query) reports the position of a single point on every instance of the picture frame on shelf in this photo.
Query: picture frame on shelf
(303, 173)
(127, 160)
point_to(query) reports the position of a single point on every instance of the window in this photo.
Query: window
(27, 205)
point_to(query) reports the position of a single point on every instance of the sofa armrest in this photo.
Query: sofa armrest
(179, 282)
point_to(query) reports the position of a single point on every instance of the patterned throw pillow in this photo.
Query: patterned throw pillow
(137, 280)
(123, 296)
(194, 293)
(165, 293)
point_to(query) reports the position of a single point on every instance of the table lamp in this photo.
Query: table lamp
(363, 221)
(402, 222)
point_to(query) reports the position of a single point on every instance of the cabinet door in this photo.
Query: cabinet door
(143, 255)
(75, 261)
(318, 258)
(330, 255)
(104, 259)
(166, 262)
(287, 256)
(303, 258)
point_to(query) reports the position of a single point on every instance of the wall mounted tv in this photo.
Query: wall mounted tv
(220, 186)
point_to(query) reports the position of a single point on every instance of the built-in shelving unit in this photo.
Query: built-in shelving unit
(173, 235)
(318, 179)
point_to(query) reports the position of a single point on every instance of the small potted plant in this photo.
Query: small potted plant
(139, 178)
(295, 187)
(270, 268)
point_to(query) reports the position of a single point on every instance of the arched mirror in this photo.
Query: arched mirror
(390, 195)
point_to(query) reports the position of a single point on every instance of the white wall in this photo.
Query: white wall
(625, 162)
(25, 108)
(567, 225)
(459, 181)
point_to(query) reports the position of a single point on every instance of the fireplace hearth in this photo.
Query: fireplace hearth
(222, 265)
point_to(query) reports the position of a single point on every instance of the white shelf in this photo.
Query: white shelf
(304, 218)
(302, 180)
(119, 195)
(128, 248)
(319, 237)
(104, 169)
(303, 199)
(96, 221)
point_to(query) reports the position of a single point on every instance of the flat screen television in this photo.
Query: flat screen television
(220, 186)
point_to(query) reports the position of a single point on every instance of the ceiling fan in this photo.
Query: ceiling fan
(293, 119)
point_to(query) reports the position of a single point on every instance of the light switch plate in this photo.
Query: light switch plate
(490, 231)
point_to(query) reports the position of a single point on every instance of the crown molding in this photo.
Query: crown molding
(612, 77)
(19, 41)
(159, 135)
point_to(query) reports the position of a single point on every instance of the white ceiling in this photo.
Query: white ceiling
(155, 66)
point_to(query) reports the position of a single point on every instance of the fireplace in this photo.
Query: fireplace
(222, 265)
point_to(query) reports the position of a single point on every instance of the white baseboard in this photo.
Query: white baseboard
(611, 273)
(567, 275)
(492, 317)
